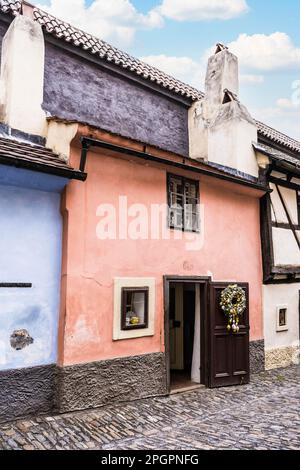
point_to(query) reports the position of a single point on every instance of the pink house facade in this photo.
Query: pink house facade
(97, 360)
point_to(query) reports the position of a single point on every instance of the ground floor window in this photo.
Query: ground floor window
(134, 308)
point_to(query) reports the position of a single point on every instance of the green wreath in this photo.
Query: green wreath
(233, 303)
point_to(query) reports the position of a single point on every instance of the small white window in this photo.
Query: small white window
(134, 307)
(282, 318)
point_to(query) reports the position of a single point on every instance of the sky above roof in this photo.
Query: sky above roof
(178, 35)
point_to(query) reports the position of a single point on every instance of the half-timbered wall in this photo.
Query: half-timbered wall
(282, 294)
(286, 251)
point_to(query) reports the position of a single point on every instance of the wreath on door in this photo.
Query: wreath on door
(233, 303)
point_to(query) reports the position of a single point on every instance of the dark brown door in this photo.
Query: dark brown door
(228, 352)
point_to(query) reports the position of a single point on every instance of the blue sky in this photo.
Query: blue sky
(176, 35)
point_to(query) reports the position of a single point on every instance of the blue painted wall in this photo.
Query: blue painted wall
(30, 251)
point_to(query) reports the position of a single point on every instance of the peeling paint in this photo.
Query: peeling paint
(20, 339)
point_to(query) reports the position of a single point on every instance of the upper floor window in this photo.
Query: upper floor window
(183, 202)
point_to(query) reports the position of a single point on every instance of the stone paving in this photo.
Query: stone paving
(262, 415)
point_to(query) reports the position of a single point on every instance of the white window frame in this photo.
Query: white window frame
(278, 326)
(133, 282)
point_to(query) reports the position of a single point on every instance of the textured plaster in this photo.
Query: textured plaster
(257, 356)
(22, 74)
(76, 89)
(223, 132)
(124, 379)
(282, 357)
(26, 392)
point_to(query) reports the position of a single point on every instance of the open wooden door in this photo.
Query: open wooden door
(228, 351)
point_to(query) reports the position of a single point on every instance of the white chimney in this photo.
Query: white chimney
(22, 76)
(221, 129)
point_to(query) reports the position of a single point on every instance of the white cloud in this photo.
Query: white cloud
(266, 52)
(248, 79)
(118, 20)
(115, 20)
(191, 71)
(285, 103)
(199, 10)
(182, 68)
(284, 118)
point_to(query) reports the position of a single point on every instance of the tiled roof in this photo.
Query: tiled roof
(278, 137)
(277, 155)
(105, 51)
(66, 32)
(10, 6)
(36, 157)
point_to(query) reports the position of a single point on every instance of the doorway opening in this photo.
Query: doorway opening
(186, 335)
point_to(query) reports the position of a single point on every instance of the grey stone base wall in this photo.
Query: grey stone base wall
(113, 381)
(26, 392)
(51, 389)
(257, 356)
(282, 357)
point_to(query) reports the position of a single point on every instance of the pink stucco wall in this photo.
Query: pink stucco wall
(231, 252)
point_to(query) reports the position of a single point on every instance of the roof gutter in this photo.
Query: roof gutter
(34, 166)
(88, 142)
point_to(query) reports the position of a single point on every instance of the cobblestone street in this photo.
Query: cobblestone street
(262, 415)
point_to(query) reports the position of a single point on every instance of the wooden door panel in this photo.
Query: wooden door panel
(229, 352)
(240, 354)
(222, 368)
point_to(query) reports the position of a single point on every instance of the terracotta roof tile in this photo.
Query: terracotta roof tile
(10, 6)
(105, 51)
(23, 154)
(63, 30)
(278, 137)
(277, 155)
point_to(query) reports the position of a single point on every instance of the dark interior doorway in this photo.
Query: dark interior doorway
(199, 348)
(185, 335)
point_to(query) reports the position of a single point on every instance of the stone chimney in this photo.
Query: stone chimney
(22, 75)
(221, 129)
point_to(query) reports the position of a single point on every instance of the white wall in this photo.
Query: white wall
(286, 251)
(290, 198)
(281, 347)
(230, 141)
(22, 77)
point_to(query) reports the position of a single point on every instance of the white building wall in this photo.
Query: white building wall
(282, 347)
(22, 77)
(286, 251)
(290, 198)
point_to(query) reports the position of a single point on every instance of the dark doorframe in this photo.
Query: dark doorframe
(204, 282)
